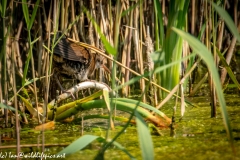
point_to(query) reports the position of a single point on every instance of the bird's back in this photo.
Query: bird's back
(72, 59)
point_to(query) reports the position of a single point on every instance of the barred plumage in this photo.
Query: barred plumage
(73, 60)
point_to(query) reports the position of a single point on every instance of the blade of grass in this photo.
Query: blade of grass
(3, 8)
(229, 70)
(85, 140)
(206, 55)
(2, 105)
(228, 20)
(25, 11)
(110, 49)
(158, 10)
(33, 15)
(78, 144)
(145, 138)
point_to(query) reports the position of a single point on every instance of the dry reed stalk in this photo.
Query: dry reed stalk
(201, 10)
(102, 21)
(45, 55)
(129, 49)
(220, 35)
(105, 15)
(17, 50)
(126, 52)
(213, 89)
(17, 123)
(193, 20)
(232, 46)
(5, 72)
(34, 84)
(40, 42)
(46, 68)
(90, 24)
(140, 53)
(198, 11)
(81, 28)
(150, 67)
(107, 23)
(208, 45)
(228, 59)
(194, 10)
(9, 62)
(65, 9)
(75, 32)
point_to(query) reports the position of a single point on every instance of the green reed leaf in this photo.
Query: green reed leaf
(206, 55)
(229, 22)
(33, 14)
(25, 11)
(145, 138)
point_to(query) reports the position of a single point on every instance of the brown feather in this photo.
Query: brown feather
(73, 60)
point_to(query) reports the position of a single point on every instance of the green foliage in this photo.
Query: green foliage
(144, 134)
(78, 144)
(3, 7)
(110, 49)
(29, 21)
(145, 138)
(229, 22)
(168, 51)
(30, 108)
(85, 140)
(191, 59)
(172, 44)
(25, 11)
(143, 105)
(159, 29)
(128, 105)
(227, 67)
(4, 106)
(206, 55)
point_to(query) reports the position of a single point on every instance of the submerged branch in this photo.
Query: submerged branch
(82, 86)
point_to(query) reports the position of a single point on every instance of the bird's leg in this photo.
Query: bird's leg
(62, 89)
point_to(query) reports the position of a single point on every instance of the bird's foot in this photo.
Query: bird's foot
(62, 89)
(65, 91)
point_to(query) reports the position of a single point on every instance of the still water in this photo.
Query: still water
(197, 136)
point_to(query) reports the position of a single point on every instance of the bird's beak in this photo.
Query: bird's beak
(105, 68)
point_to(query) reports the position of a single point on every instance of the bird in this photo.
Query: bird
(72, 60)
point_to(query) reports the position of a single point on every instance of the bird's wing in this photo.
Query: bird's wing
(72, 51)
